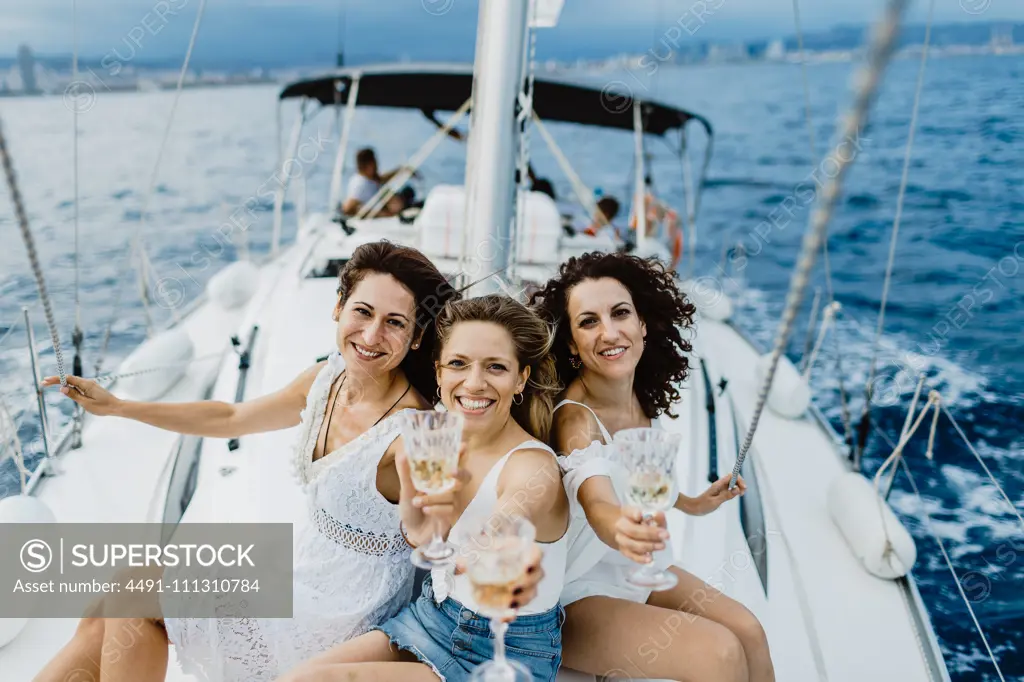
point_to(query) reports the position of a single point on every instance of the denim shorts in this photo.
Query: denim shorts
(453, 640)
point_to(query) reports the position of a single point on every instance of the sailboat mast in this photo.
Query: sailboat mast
(493, 141)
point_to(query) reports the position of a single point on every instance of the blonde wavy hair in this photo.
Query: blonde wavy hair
(532, 337)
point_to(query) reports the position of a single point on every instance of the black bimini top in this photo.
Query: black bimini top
(446, 87)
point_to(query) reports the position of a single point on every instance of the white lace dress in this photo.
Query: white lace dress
(352, 569)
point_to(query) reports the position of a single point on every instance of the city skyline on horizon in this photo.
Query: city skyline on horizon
(312, 31)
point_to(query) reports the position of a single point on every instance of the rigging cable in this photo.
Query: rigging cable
(826, 259)
(945, 554)
(135, 247)
(9, 439)
(33, 256)
(879, 54)
(865, 419)
(524, 118)
(984, 466)
(77, 336)
(10, 330)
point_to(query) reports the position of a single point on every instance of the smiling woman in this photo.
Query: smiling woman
(622, 355)
(381, 326)
(351, 562)
(472, 331)
(643, 299)
(494, 369)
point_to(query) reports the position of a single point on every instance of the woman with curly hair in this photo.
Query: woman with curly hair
(620, 352)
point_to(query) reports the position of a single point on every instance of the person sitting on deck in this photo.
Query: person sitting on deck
(608, 208)
(538, 184)
(365, 184)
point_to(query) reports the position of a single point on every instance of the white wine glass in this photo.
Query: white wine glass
(497, 551)
(649, 457)
(432, 442)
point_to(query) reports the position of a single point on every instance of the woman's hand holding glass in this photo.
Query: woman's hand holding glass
(499, 552)
(638, 537)
(431, 479)
(525, 588)
(649, 456)
(424, 514)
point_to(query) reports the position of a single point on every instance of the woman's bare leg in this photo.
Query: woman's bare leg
(367, 658)
(111, 650)
(617, 638)
(134, 650)
(79, 659)
(696, 598)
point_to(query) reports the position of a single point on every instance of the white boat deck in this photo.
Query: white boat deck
(819, 591)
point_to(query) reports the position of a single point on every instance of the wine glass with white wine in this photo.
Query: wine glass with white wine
(649, 456)
(432, 442)
(497, 551)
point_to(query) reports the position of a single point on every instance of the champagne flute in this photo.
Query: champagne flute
(497, 550)
(649, 456)
(432, 442)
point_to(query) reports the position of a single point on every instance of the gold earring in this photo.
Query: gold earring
(575, 361)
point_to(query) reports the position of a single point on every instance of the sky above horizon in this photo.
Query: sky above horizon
(419, 29)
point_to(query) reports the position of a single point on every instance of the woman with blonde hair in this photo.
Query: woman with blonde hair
(495, 370)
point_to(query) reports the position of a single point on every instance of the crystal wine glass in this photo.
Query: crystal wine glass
(432, 441)
(649, 456)
(497, 550)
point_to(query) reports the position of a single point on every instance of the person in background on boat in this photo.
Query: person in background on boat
(352, 567)
(539, 184)
(494, 368)
(603, 224)
(366, 182)
(620, 352)
(544, 186)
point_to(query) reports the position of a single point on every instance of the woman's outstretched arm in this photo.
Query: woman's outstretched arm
(208, 418)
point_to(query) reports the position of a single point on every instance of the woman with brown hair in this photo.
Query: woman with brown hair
(621, 354)
(351, 562)
(495, 370)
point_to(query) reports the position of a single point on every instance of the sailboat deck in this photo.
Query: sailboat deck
(864, 625)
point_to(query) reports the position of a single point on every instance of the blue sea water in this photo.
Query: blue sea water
(954, 313)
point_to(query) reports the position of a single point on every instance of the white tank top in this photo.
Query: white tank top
(481, 507)
(604, 432)
(586, 550)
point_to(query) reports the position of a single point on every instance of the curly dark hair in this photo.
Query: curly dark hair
(659, 304)
(430, 289)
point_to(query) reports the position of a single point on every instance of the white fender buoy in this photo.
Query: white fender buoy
(21, 509)
(790, 396)
(25, 509)
(712, 302)
(887, 551)
(235, 285)
(167, 354)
